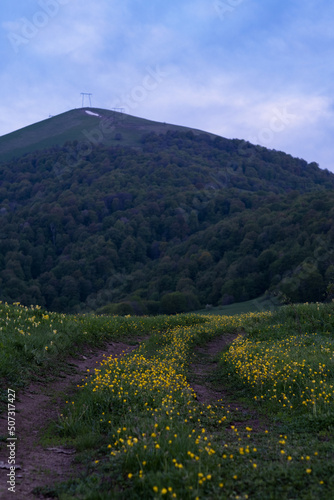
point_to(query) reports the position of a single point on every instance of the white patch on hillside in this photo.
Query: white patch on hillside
(91, 113)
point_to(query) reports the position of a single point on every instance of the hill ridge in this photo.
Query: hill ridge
(92, 125)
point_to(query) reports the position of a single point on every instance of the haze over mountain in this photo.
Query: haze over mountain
(98, 207)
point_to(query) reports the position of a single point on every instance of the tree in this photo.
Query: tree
(174, 303)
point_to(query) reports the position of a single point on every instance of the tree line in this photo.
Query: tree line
(184, 221)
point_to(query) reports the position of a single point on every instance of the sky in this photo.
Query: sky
(248, 69)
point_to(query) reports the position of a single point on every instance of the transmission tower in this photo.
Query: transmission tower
(86, 95)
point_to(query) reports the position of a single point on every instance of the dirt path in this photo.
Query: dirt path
(36, 406)
(41, 403)
(201, 372)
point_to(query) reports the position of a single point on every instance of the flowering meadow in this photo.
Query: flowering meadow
(32, 339)
(289, 365)
(141, 431)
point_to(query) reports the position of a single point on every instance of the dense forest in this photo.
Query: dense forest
(182, 221)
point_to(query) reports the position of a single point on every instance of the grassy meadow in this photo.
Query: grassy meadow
(138, 426)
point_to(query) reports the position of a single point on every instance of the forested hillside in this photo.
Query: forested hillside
(179, 221)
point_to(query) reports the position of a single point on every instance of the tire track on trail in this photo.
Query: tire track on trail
(36, 406)
(200, 378)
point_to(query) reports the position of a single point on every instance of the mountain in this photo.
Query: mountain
(108, 212)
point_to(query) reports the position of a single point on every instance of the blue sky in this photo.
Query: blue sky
(249, 69)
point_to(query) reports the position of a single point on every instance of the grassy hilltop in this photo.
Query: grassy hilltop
(82, 125)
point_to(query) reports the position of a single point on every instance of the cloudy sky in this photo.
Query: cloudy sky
(249, 69)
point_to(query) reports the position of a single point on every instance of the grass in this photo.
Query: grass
(31, 339)
(287, 363)
(140, 431)
(256, 305)
(77, 125)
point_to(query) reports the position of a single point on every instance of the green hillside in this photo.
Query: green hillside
(81, 125)
(160, 219)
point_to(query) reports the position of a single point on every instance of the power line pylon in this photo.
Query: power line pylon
(88, 95)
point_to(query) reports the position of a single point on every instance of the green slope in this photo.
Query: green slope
(109, 128)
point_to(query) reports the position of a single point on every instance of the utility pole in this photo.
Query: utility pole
(86, 94)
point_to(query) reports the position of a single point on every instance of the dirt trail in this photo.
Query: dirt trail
(35, 407)
(41, 403)
(201, 372)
